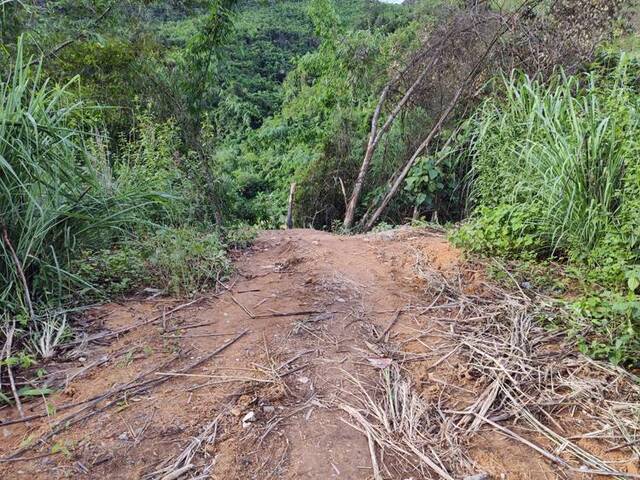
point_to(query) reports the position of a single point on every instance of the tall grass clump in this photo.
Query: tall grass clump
(57, 195)
(555, 172)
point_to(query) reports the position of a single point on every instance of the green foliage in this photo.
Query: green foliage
(111, 272)
(564, 147)
(316, 137)
(181, 261)
(150, 161)
(184, 261)
(111, 72)
(607, 326)
(435, 184)
(555, 172)
(502, 230)
(80, 218)
(56, 196)
(240, 236)
(203, 52)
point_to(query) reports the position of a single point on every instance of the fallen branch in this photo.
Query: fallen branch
(131, 388)
(120, 331)
(288, 314)
(245, 309)
(190, 326)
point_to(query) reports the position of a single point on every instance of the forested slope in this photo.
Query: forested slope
(160, 317)
(140, 142)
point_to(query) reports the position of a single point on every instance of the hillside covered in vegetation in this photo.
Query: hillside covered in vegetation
(140, 142)
(319, 239)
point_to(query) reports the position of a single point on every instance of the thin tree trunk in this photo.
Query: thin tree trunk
(411, 162)
(292, 192)
(375, 135)
(438, 126)
(357, 187)
(416, 213)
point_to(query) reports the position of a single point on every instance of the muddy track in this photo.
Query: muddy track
(257, 381)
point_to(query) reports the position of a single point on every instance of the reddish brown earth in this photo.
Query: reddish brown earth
(314, 307)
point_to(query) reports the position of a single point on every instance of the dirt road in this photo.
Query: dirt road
(320, 359)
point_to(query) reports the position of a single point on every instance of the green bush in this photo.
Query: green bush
(185, 261)
(502, 230)
(608, 326)
(57, 194)
(555, 172)
(150, 161)
(570, 147)
(111, 272)
(180, 261)
(240, 236)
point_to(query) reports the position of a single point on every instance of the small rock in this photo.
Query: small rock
(303, 380)
(477, 476)
(341, 300)
(381, 362)
(82, 359)
(123, 436)
(268, 409)
(248, 419)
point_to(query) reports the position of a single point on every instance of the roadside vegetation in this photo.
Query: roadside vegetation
(554, 174)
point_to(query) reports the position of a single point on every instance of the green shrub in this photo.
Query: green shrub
(503, 230)
(111, 272)
(185, 261)
(150, 161)
(564, 146)
(240, 236)
(555, 172)
(57, 194)
(608, 326)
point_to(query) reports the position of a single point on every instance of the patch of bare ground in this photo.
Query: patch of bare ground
(382, 356)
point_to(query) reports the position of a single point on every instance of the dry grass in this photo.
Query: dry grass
(398, 420)
(528, 383)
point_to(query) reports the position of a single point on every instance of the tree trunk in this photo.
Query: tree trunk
(357, 187)
(375, 135)
(416, 213)
(292, 192)
(411, 162)
(436, 128)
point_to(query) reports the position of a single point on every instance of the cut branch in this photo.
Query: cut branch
(435, 130)
(375, 136)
